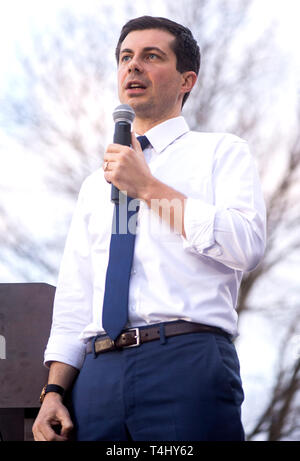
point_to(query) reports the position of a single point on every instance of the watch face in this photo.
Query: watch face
(42, 396)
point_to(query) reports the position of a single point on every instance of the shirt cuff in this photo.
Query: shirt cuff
(66, 350)
(199, 218)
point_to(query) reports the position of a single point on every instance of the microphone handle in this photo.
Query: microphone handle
(122, 136)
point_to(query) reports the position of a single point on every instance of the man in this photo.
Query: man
(200, 225)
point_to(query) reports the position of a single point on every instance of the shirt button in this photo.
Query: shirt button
(133, 272)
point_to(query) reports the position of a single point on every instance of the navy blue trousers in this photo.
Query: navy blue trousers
(186, 388)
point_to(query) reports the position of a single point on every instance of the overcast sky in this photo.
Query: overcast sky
(19, 17)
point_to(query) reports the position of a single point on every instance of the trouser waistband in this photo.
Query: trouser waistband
(134, 337)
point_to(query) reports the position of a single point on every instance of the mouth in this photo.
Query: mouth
(135, 87)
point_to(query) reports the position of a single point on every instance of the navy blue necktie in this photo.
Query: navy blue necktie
(115, 304)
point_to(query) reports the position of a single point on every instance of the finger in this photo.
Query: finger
(66, 424)
(39, 436)
(110, 157)
(114, 148)
(47, 434)
(66, 428)
(105, 166)
(65, 433)
(54, 428)
(54, 436)
(107, 176)
(135, 143)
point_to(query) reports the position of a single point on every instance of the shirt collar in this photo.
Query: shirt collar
(164, 134)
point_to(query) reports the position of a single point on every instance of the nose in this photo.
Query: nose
(134, 65)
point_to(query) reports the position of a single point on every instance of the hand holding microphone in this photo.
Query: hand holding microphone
(123, 116)
(125, 167)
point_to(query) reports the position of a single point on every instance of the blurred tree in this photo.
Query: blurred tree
(56, 109)
(59, 114)
(280, 418)
(240, 77)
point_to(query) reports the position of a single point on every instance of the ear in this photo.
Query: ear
(189, 79)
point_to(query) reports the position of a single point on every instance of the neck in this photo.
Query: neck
(141, 124)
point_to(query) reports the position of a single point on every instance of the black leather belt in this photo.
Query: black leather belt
(136, 336)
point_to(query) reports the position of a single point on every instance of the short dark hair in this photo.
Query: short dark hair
(184, 46)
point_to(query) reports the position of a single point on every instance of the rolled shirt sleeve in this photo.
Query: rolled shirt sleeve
(230, 229)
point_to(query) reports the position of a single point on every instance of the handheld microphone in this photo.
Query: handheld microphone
(123, 116)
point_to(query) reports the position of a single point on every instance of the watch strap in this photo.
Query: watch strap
(51, 388)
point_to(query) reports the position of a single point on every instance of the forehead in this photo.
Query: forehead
(139, 39)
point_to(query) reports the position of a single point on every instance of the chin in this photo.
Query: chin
(141, 108)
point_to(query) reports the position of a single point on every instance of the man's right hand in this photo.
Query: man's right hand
(52, 413)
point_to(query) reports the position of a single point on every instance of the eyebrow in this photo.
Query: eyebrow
(147, 48)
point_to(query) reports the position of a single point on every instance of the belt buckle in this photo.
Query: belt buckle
(137, 336)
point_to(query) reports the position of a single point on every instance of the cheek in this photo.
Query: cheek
(167, 86)
(165, 83)
(121, 78)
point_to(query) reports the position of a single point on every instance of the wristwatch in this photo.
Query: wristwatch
(51, 388)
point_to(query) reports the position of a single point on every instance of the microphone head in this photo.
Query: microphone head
(123, 113)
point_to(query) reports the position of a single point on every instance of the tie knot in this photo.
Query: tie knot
(144, 141)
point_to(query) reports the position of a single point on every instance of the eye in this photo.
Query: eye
(125, 58)
(152, 56)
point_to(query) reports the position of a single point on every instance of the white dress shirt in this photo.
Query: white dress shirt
(196, 278)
